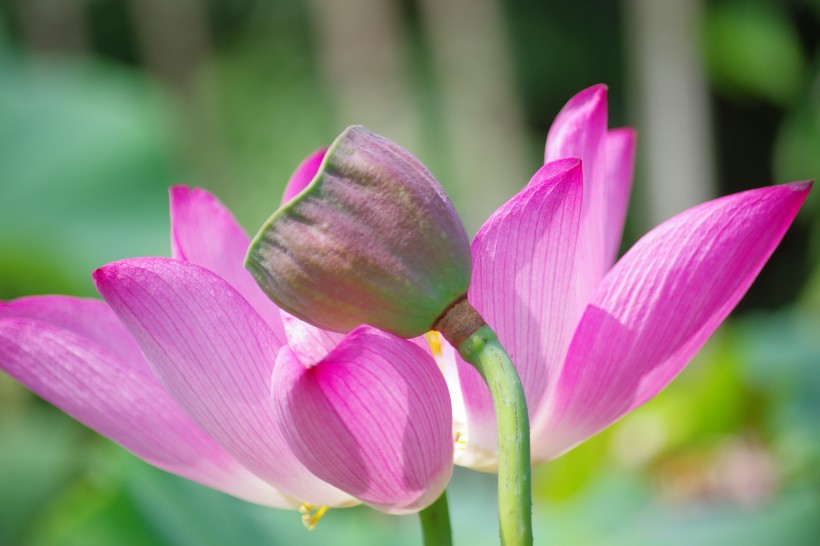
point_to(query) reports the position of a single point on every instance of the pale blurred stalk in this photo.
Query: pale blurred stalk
(54, 26)
(671, 102)
(174, 42)
(363, 56)
(483, 118)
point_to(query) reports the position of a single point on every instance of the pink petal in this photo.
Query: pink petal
(523, 260)
(303, 175)
(311, 344)
(660, 303)
(105, 392)
(204, 232)
(620, 166)
(373, 418)
(91, 319)
(215, 356)
(579, 130)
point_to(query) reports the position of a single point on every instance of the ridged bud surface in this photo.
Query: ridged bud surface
(372, 240)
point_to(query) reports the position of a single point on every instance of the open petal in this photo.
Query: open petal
(620, 166)
(579, 130)
(215, 356)
(660, 303)
(373, 418)
(204, 232)
(124, 402)
(303, 175)
(523, 260)
(89, 318)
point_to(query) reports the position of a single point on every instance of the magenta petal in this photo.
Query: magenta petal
(373, 418)
(523, 260)
(91, 319)
(123, 402)
(215, 356)
(579, 130)
(204, 232)
(620, 165)
(311, 344)
(660, 303)
(303, 175)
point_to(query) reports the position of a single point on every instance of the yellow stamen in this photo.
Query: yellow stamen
(434, 340)
(311, 515)
(460, 439)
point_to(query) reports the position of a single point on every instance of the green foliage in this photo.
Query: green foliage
(86, 159)
(752, 50)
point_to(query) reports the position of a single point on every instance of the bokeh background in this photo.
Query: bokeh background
(106, 103)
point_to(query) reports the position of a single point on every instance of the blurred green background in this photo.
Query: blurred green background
(106, 103)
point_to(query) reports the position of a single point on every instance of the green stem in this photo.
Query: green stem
(435, 523)
(483, 350)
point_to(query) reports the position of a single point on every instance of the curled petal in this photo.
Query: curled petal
(204, 232)
(303, 175)
(579, 128)
(214, 355)
(373, 418)
(523, 260)
(620, 166)
(579, 131)
(660, 303)
(124, 402)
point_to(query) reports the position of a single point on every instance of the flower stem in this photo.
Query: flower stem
(483, 350)
(435, 523)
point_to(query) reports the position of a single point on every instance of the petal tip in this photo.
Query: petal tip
(182, 195)
(102, 276)
(569, 168)
(629, 133)
(178, 190)
(803, 186)
(595, 94)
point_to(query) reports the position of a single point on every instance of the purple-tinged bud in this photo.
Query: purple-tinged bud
(373, 239)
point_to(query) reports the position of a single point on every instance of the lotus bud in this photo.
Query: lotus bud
(373, 239)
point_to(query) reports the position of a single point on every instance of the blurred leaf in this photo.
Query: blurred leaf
(40, 453)
(565, 477)
(797, 148)
(751, 49)
(781, 352)
(275, 114)
(86, 155)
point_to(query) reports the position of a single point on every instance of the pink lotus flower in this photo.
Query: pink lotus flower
(227, 385)
(591, 342)
(241, 397)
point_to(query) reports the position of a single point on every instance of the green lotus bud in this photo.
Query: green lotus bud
(373, 239)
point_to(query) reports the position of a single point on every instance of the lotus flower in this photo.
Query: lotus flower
(189, 366)
(591, 341)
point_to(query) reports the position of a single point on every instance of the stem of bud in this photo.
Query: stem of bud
(478, 345)
(435, 523)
